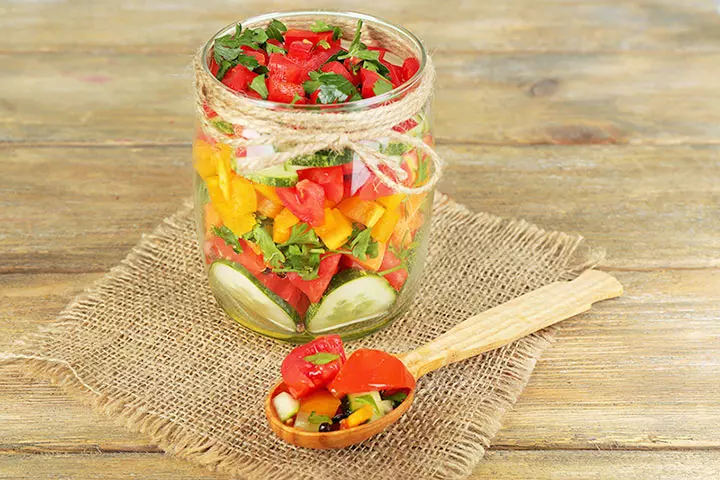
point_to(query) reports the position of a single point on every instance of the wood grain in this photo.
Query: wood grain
(513, 99)
(506, 465)
(511, 25)
(89, 206)
(639, 372)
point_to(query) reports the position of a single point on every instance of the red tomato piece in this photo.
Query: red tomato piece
(337, 67)
(316, 60)
(405, 126)
(259, 55)
(314, 96)
(282, 68)
(396, 74)
(409, 67)
(306, 200)
(374, 187)
(299, 52)
(213, 65)
(209, 111)
(351, 64)
(302, 377)
(298, 35)
(329, 178)
(371, 370)
(369, 79)
(314, 289)
(238, 78)
(216, 249)
(283, 92)
(275, 42)
(328, 37)
(285, 289)
(397, 278)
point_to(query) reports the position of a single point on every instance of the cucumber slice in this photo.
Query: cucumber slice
(387, 406)
(250, 302)
(358, 400)
(276, 176)
(323, 158)
(353, 296)
(285, 405)
(302, 422)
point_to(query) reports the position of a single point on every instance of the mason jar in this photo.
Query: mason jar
(319, 244)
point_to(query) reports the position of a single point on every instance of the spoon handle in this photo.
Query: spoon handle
(513, 320)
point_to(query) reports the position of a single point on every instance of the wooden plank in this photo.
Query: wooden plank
(180, 26)
(81, 210)
(637, 372)
(482, 99)
(503, 465)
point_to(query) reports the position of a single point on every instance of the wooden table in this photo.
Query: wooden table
(597, 117)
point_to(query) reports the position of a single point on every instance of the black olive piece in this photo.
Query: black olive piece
(345, 406)
(335, 427)
(324, 427)
(339, 416)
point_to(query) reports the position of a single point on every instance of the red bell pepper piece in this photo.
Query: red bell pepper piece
(299, 52)
(371, 370)
(328, 37)
(259, 55)
(282, 68)
(337, 67)
(298, 35)
(284, 92)
(409, 67)
(329, 178)
(306, 200)
(314, 289)
(286, 290)
(316, 60)
(238, 78)
(303, 371)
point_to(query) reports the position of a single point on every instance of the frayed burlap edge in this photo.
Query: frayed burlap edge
(182, 442)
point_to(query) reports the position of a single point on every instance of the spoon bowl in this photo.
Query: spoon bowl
(480, 333)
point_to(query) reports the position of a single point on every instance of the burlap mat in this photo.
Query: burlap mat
(148, 344)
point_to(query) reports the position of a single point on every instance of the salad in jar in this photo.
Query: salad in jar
(319, 244)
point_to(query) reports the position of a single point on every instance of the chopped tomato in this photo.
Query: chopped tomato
(351, 64)
(374, 187)
(371, 370)
(314, 289)
(209, 111)
(284, 92)
(405, 126)
(216, 248)
(284, 69)
(396, 74)
(328, 37)
(298, 35)
(299, 52)
(238, 78)
(304, 371)
(284, 288)
(409, 67)
(337, 67)
(314, 96)
(316, 60)
(369, 79)
(329, 178)
(259, 55)
(306, 200)
(397, 278)
(213, 66)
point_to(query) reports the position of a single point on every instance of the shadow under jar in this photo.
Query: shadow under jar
(320, 244)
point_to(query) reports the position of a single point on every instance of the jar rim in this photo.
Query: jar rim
(362, 104)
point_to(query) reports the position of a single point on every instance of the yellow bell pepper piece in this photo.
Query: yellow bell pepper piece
(391, 202)
(268, 192)
(336, 229)
(268, 208)
(321, 402)
(373, 263)
(383, 229)
(242, 195)
(363, 211)
(203, 160)
(212, 218)
(359, 416)
(225, 173)
(284, 222)
(240, 223)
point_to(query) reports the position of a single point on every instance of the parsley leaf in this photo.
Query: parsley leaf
(321, 358)
(395, 148)
(228, 53)
(275, 30)
(360, 51)
(333, 88)
(316, 419)
(223, 126)
(271, 254)
(362, 245)
(258, 84)
(272, 48)
(382, 86)
(302, 233)
(303, 260)
(228, 237)
(296, 98)
(423, 171)
(320, 26)
(397, 398)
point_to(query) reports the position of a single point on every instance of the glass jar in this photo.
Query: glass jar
(292, 272)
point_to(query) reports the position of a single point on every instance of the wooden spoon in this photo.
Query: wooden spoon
(478, 334)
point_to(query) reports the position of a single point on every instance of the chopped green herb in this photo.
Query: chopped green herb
(258, 84)
(228, 53)
(321, 358)
(395, 148)
(316, 419)
(335, 56)
(223, 126)
(333, 88)
(320, 26)
(360, 51)
(228, 237)
(302, 234)
(397, 398)
(362, 245)
(272, 48)
(423, 170)
(271, 254)
(275, 30)
(382, 86)
(261, 69)
(296, 98)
